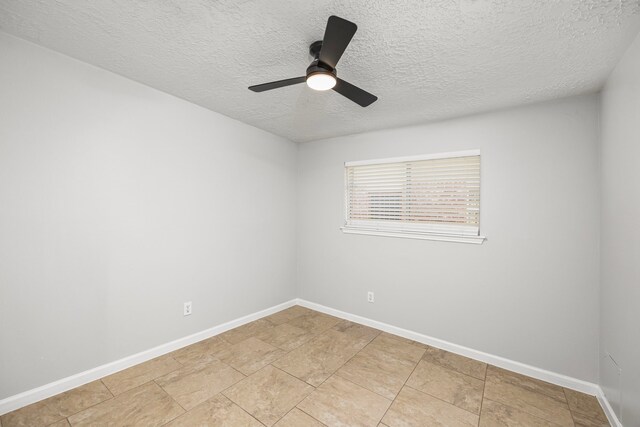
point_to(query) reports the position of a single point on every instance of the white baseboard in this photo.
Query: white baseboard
(608, 410)
(511, 365)
(31, 396)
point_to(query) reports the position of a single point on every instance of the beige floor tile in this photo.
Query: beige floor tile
(413, 408)
(216, 412)
(383, 366)
(586, 405)
(356, 330)
(314, 322)
(288, 314)
(339, 402)
(195, 383)
(396, 337)
(200, 350)
(581, 420)
(398, 348)
(297, 418)
(243, 332)
(378, 371)
(338, 342)
(528, 383)
(285, 336)
(146, 405)
(464, 365)
(318, 359)
(58, 407)
(140, 374)
(501, 389)
(250, 355)
(61, 423)
(458, 389)
(402, 339)
(268, 394)
(495, 414)
(401, 352)
(311, 365)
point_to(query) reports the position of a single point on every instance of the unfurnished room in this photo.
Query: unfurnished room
(330, 213)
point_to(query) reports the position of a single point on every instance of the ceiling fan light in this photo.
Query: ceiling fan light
(321, 81)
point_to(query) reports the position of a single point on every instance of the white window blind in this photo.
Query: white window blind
(433, 197)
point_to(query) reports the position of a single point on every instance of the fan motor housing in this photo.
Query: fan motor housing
(320, 68)
(317, 66)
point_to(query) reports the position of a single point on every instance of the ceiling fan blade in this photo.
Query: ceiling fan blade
(337, 36)
(354, 93)
(277, 84)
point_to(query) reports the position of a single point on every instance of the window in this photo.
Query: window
(434, 197)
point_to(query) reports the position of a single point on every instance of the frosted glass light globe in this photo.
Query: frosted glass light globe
(321, 81)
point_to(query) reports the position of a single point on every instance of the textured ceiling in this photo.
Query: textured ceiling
(425, 60)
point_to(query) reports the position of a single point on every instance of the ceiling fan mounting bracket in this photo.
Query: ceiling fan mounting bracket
(314, 49)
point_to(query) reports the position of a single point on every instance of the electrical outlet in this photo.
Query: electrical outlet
(187, 308)
(370, 297)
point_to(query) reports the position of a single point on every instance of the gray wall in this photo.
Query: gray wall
(117, 204)
(529, 293)
(620, 245)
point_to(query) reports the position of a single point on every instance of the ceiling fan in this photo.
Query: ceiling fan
(321, 74)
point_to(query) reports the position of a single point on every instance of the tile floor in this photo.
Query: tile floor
(299, 368)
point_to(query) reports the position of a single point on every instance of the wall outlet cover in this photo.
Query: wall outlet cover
(188, 308)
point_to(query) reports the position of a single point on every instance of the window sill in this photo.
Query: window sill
(416, 235)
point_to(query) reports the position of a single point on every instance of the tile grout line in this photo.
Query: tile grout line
(347, 361)
(314, 387)
(327, 379)
(567, 399)
(241, 408)
(587, 416)
(172, 398)
(366, 388)
(148, 382)
(215, 358)
(286, 352)
(537, 393)
(311, 416)
(442, 400)
(88, 407)
(113, 397)
(420, 391)
(334, 373)
(269, 364)
(484, 386)
(404, 384)
(484, 382)
(221, 392)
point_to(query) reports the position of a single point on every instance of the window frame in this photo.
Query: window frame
(440, 232)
